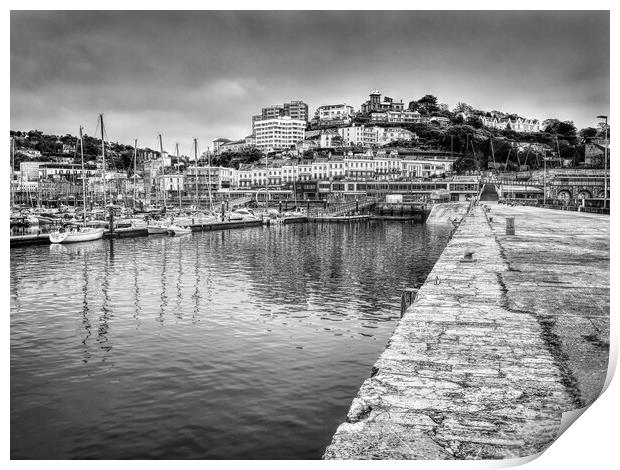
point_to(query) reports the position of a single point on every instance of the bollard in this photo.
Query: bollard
(510, 225)
(407, 299)
(468, 256)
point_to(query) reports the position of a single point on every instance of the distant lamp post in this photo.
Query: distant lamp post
(606, 147)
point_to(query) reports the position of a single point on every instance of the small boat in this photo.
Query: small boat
(158, 228)
(179, 230)
(31, 220)
(242, 214)
(48, 219)
(72, 234)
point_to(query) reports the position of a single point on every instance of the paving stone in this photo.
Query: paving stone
(491, 353)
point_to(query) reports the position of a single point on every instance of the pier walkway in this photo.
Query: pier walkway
(492, 352)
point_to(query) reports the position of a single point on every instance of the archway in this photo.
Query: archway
(584, 194)
(564, 195)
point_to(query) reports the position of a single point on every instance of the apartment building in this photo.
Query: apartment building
(278, 133)
(294, 109)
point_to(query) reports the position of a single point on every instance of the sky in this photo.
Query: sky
(204, 74)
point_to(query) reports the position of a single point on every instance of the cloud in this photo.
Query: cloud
(206, 73)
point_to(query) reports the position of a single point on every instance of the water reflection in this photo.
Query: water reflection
(272, 329)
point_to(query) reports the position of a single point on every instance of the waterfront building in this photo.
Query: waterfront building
(35, 170)
(172, 183)
(219, 177)
(29, 170)
(375, 103)
(279, 133)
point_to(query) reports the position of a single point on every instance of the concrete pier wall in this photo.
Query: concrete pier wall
(492, 352)
(447, 211)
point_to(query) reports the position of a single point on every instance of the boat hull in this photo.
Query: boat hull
(157, 230)
(75, 237)
(176, 231)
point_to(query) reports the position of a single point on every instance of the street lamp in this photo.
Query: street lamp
(606, 147)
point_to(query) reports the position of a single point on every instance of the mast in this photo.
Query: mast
(135, 164)
(544, 177)
(161, 155)
(493, 154)
(210, 199)
(266, 182)
(83, 178)
(178, 175)
(12, 170)
(104, 168)
(196, 163)
(295, 188)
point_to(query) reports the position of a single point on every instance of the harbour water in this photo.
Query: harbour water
(236, 344)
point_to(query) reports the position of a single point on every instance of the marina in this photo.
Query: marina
(309, 235)
(259, 336)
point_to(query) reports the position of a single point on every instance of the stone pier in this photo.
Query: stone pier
(492, 352)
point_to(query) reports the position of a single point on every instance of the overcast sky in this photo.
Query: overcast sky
(203, 74)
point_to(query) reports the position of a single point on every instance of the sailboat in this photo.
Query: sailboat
(159, 227)
(71, 233)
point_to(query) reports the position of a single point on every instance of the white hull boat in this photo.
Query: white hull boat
(157, 229)
(177, 230)
(74, 235)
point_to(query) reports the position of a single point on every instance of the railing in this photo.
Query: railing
(344, 208)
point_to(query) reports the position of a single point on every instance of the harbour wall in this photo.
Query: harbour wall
(494, 349)
(448, 211)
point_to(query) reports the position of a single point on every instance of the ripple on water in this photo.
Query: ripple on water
(233, 344)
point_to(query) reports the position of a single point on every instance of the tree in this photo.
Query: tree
(588, 132)
(463, 108)
(428, 104)
(413, 106)
(474, 121)
(556, 127)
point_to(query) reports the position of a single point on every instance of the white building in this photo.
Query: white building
(278, 133)
(387, 135)
(359, 135)
(324, 138)
(399, 117)
(518, 125)
(334, 114)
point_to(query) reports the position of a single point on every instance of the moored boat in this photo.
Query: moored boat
(157, 228)
(73, 234)
(179, 230)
